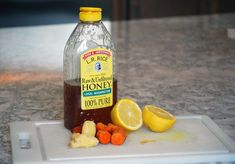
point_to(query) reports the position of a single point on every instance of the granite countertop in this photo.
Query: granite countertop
(184, 64)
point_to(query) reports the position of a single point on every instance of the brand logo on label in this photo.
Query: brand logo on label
(97, 66)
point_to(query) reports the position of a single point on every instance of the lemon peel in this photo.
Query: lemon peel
(127, 114)
(157, 119)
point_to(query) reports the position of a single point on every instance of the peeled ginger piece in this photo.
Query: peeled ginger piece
(89, 128)
(83, 140)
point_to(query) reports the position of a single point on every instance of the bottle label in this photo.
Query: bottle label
(96, 79)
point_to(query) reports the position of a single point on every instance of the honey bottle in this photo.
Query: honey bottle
(90, 84)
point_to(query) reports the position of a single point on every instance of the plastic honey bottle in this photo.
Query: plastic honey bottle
(90, 84)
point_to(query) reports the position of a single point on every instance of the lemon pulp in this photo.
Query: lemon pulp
(157, 119)
(127, 114)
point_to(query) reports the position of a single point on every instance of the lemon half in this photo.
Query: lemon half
(127, 114)
(157, 119)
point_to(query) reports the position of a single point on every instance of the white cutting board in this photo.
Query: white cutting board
(192, 139)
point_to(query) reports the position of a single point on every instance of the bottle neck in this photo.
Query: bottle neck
(90, 22)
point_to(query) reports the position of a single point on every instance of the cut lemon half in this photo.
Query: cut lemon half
(127, 114)
(157, 119)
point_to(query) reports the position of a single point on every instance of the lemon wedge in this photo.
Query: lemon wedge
(127, 114)
(157, 119)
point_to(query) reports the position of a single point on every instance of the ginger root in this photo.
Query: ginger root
(89, 128)
(87, 138)
(83, 140)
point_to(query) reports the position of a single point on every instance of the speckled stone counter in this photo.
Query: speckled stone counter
(184, 64)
